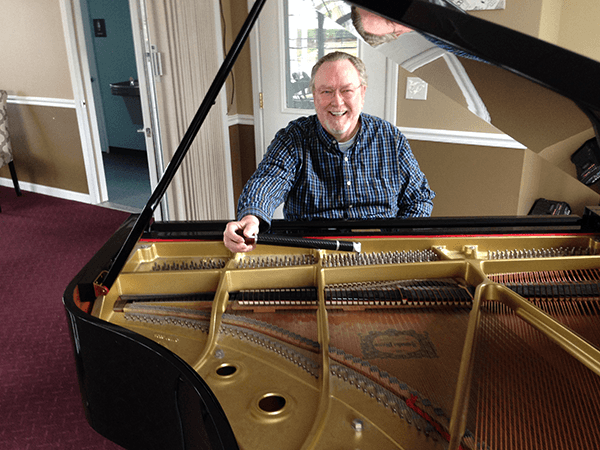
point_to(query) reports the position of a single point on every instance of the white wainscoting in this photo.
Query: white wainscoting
(38, 188)
(461, 137)
(46, 190)
(426, 134)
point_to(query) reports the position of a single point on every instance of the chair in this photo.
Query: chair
(6, 156)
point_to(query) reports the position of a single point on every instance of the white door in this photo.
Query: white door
(149, 71)
(281, 65)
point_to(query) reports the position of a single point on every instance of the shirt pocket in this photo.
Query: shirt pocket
(379, 195)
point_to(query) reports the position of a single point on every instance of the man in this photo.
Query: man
(338, 164)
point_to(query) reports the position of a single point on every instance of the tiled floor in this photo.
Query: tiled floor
(127, 179)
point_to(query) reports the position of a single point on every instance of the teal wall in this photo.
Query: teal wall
(115, 60)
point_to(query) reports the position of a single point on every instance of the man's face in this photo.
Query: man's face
(339, 98)
(380, 26)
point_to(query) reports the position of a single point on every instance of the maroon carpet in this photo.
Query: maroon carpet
(44, 242)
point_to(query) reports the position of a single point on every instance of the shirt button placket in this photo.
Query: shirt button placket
(348, 183)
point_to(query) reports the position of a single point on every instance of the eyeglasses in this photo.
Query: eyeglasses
(346, 92)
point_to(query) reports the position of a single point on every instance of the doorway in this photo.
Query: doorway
(287, 46)
(109, 40)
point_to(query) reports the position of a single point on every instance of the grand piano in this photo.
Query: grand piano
(441, 333)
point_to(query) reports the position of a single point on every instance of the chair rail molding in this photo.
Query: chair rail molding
(42, 101)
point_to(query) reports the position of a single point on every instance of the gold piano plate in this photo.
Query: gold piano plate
(177, 256)
(379, 352)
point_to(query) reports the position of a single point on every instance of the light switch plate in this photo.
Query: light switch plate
(416, 89)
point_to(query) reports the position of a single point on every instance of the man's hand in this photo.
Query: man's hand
(237, 235)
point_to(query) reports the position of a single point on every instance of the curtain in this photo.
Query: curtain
(185, 34)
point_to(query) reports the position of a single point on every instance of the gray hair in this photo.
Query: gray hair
(340, 56)
(372, 39)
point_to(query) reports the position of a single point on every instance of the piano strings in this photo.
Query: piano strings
(552, 252)
(527, 392)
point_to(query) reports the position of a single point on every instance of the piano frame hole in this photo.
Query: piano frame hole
(272, 403)
(226, 370)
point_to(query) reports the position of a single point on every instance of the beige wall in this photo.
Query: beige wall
(528, 112)
(239, 98)
(579, 26)
(470, 180)
(439, 111)
(239, 87)
(523, 16)
(45, 139)
(569, 24)
(33, 51)
(550, 20)
(47, 147)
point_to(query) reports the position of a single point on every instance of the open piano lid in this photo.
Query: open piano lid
(569, 74)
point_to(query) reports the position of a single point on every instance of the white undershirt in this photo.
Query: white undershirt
(345, 146)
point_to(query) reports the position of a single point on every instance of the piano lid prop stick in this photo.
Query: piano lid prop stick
(321, 244)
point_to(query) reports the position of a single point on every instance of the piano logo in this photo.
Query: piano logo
(396, 344)
(162, 337)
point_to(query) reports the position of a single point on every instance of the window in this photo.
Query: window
(309, 36)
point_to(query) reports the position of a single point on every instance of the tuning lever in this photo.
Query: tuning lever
(322, 244)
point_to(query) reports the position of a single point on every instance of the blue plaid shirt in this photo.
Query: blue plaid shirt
(378, 177)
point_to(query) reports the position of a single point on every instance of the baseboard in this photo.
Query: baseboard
(240, 119)
(46, 190)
